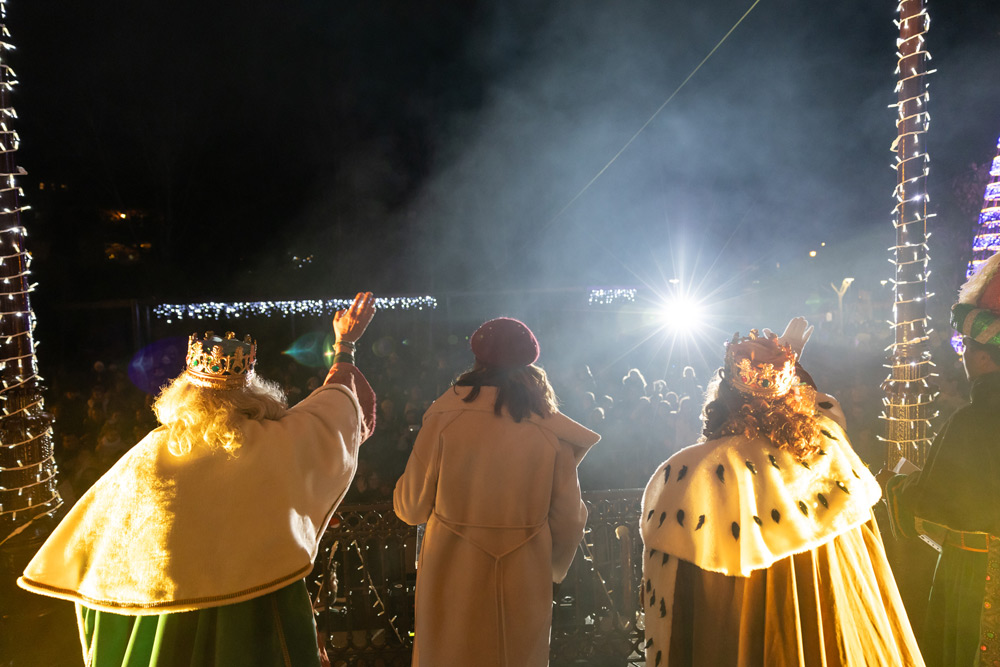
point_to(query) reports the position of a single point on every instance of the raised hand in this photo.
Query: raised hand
(349, 324)
(796, 334)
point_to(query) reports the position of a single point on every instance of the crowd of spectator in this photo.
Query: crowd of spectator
(642, 415)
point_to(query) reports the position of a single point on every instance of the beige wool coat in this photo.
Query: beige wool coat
(504, 517)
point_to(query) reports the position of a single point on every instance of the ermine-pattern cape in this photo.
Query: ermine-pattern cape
(733, 505)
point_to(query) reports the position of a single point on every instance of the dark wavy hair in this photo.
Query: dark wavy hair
(523, 390)
(788, 421)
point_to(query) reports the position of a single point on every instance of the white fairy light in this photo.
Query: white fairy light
(612, 295)
(27, 469)
(212, 310)
(908, 377)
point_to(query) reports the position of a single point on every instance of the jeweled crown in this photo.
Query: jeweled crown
(760, 365)
(220, 363)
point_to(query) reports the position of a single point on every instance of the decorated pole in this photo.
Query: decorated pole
(908, 393)
(27, 468)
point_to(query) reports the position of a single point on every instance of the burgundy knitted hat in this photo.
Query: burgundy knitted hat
(505, 343)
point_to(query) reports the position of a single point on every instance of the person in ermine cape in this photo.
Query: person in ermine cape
(493, 474)
(955, 499)
(192, 549)
(761, 547)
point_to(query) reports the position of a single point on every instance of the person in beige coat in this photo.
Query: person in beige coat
(493, 474)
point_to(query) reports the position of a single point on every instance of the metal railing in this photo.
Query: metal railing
(365, 577)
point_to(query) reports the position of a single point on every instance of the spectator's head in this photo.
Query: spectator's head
(672, 399)
(413, 414)
(659, 388)
(109, 435)
(663, 411)
(634, 384)
(95, 413)
(69, 443)
(686, 407)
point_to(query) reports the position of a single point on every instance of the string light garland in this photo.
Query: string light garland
(212, 310)
(612, 296)
(908, 394)
(28, 470)
(378, 604)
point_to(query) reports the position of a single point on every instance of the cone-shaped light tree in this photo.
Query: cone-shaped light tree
(986, 242)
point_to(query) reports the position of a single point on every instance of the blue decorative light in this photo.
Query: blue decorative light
(990, 215)
(987, 239)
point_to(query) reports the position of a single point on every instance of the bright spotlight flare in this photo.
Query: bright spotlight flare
(682, 314)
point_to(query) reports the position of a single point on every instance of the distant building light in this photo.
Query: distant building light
(812, 253)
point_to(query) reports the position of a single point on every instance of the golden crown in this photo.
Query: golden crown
(220, 363)
(760, 365)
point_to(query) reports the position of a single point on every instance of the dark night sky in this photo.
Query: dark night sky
(417, 147)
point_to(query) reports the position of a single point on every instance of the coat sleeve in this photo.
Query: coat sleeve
(413, 497)
(567, 513)
(352, 378)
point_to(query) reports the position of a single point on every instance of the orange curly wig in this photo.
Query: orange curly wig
(788, 421)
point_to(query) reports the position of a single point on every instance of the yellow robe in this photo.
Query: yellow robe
(753, 557)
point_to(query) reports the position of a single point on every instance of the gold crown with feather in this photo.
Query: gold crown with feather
(760, 365)
(220, 363)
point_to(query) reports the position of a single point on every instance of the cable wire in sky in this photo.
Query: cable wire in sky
(649, 120)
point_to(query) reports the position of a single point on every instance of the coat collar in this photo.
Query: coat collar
(576, 435)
